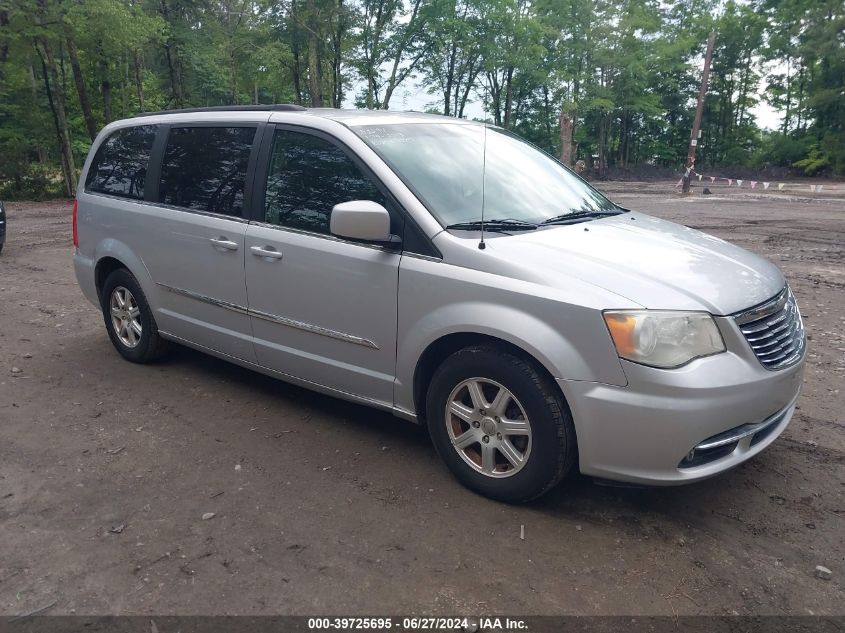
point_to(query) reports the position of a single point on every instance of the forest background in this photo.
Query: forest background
(609, 82)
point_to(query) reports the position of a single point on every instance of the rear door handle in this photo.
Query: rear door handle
(265, 251)
(225, 244)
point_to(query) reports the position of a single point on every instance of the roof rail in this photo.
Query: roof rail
(276, 107)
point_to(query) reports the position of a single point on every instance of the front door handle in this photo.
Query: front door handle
(225, 244)
(265, 251)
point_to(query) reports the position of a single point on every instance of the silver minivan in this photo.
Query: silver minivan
(445, 271)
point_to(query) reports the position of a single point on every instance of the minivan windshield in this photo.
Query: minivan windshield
(519, 186)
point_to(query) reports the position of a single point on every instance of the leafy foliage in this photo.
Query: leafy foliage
(620, 75)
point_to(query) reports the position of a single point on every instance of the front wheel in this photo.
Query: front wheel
(500, 424)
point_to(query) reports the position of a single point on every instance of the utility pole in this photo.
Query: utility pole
(699, 109)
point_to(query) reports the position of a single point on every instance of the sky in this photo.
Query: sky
(767, 117)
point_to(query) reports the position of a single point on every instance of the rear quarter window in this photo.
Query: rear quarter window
(119, 167)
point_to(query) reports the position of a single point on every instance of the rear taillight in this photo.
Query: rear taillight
(75, 231)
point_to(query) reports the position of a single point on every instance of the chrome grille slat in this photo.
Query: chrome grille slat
(765, 326)
(774, 340)
(791, 360)
(781, 353)
(768, 334)
(774, 331)
(792, 347)
(786, 336)
(779, 349)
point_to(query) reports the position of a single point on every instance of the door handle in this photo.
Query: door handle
(265, 251)
(222, 242)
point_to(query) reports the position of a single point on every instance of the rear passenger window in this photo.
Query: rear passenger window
(204, 168)
(120, 166)
(307, 177)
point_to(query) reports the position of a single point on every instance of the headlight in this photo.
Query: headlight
(663, 339)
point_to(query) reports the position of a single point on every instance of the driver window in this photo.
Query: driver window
(307, 177)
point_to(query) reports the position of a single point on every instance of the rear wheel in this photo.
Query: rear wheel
(500, 424)
(129, 319)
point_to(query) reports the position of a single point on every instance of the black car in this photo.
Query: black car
(2, 226)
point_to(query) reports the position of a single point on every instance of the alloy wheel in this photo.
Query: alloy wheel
(488, 427)
(125, 316)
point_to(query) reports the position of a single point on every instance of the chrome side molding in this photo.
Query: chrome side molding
(314, 329)
(299, 325)
(195, 295)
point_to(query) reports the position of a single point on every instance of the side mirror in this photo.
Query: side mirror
(361, 220)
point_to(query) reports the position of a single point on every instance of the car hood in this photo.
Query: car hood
(655, 263)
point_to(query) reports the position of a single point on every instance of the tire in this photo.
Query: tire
(548, 450)
(138, 347)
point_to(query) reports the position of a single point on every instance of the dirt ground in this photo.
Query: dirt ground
(107, 468)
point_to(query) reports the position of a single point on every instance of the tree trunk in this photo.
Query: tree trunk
(495, 97)
(82, 91)
(139, 82)
(105, 83)
(373, 51)
(297, 77)
(171, 55)
(4, 47)
(395, 77)
(622, 157)
(234, 77)
(566, 120)
(296, 51)
(506, 121)
(470, 82)
(296, 74)
(799, 106)
(105, 87)
(341, 24)
(788, 96)
(173, 72)
(604, 133)
(546, 113)
(315, 84)
(56, 98)
(124, 100)
(450, 78)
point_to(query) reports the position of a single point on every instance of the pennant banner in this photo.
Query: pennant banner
(766, 184)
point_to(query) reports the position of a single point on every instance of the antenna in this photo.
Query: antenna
(481, 244)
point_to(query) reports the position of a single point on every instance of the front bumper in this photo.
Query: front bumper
(727, 407)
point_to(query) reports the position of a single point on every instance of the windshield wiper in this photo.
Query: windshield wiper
(578, 216)
(505, 224)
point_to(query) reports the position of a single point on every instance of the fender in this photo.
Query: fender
(120, 251)
(579, 349)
